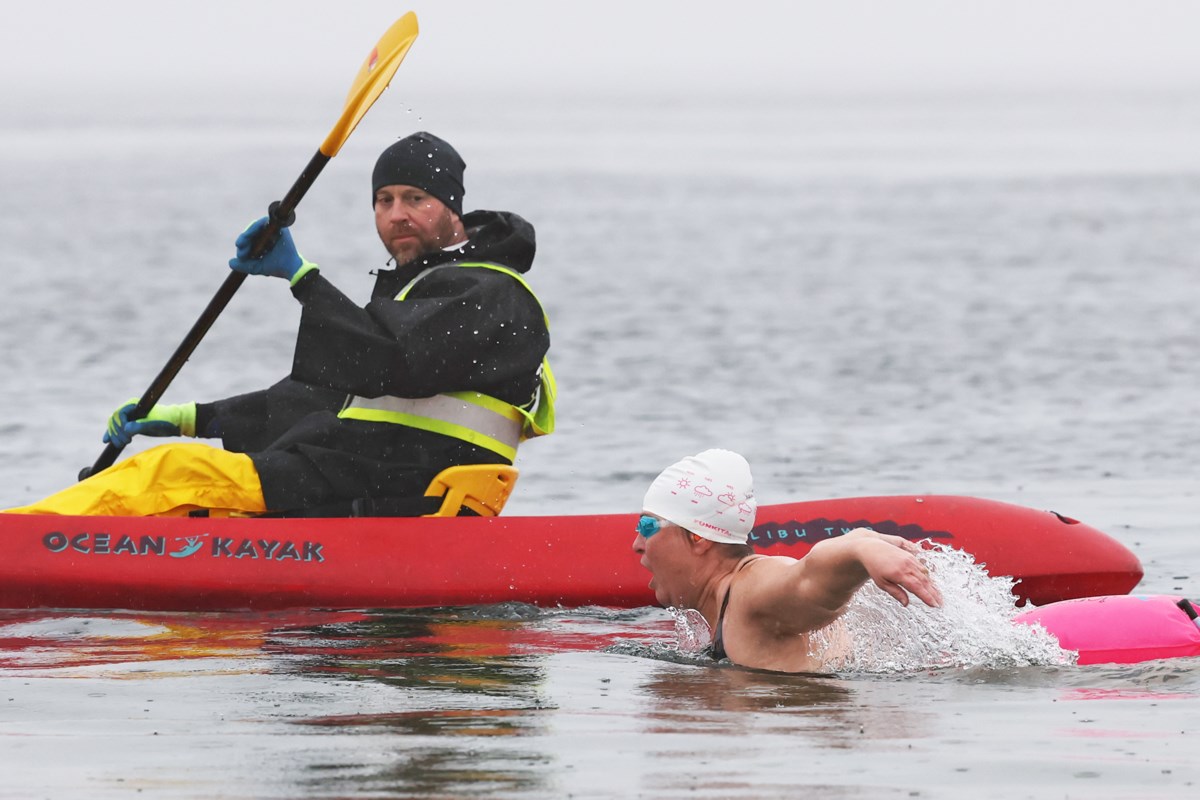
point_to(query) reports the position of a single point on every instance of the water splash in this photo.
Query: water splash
(973, 628)
(692, 634)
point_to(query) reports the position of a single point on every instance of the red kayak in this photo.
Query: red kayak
(198, 564)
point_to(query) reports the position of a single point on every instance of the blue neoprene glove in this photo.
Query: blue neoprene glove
(281, 261)
(163, 420)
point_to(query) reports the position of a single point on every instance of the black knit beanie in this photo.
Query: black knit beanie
(426, 162)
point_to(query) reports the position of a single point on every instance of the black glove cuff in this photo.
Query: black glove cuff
(208, 424)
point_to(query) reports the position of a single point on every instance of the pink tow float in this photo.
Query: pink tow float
(1121, 629)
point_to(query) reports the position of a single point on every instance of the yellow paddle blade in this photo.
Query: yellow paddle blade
(372, 79)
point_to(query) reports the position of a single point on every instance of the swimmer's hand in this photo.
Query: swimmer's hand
(894, 567)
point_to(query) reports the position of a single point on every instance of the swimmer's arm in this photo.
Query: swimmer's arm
(799, 596)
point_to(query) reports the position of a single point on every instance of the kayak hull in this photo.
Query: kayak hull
(200, 564)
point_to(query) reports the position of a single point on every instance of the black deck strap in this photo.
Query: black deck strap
(362, 507)
(1186, 605)
(395, 506)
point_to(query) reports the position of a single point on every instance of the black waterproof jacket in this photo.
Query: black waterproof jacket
(457, 330)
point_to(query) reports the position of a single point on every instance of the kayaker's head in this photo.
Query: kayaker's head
(417, 187)
(696, 516)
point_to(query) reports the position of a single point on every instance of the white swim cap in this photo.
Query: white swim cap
(710, 494)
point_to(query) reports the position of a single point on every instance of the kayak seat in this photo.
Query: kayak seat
(481, 488)
(466, 490)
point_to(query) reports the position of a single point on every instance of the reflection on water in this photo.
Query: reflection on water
(682, 691)
(513, 701)
(351, 643)
(58, 639)
(434, 758)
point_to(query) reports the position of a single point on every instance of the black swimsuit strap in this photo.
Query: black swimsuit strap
(718, 642)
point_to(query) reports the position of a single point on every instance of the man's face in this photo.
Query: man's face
(412, 222)
(667, 554)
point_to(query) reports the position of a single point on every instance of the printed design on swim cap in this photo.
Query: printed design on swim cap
(701, 491)
(730, 500)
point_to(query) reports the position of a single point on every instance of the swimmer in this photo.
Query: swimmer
(692, 535)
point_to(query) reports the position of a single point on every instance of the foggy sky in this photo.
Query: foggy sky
(612, 47)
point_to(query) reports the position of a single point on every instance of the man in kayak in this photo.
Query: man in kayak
(444, 366)
(696, 518)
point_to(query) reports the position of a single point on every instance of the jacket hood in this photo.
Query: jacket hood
(500, 236)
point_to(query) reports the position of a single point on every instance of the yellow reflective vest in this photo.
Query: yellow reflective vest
(473, 417)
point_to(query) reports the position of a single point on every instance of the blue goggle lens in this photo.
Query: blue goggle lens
(648, 526)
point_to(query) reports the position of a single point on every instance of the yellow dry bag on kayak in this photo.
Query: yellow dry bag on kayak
(165, 481)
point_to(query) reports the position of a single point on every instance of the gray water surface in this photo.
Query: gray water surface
(983, 296)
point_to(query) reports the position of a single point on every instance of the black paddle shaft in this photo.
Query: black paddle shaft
(281, 214)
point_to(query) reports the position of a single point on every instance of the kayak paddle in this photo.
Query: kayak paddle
(372, 79)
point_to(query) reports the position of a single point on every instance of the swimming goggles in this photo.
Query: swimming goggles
(648, 526)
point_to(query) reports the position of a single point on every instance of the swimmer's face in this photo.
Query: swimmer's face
(665, 549)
